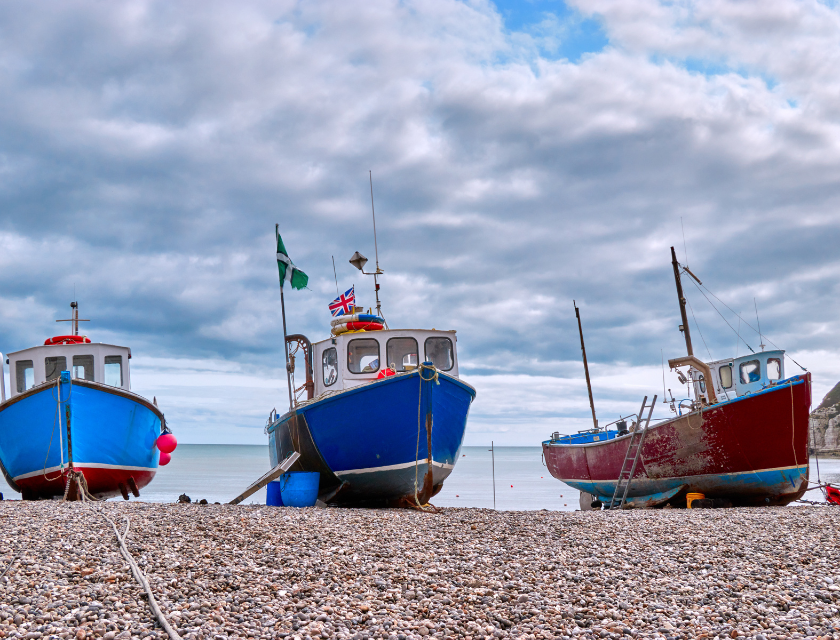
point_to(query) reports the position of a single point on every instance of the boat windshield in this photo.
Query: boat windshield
(83, 367)
(439, 351)
(113, 371)
(24, 375)
(750, 371)
(726, 376)
(402, 353)
(363, 355)
(329, 361)
(54, 366)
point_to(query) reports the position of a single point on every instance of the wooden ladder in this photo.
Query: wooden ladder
(631, 458)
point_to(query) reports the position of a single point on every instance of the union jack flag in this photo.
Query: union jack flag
(344, 303)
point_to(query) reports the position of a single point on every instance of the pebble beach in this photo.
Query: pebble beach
(222, 571)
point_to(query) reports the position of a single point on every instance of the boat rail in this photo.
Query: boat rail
(557, 438)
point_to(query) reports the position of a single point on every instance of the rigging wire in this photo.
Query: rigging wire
(721, 315)
(748, 324)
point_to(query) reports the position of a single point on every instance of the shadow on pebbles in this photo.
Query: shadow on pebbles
(263, 572)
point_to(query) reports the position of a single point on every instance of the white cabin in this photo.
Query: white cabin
(96, 362)
(351, 359)
(736, 377)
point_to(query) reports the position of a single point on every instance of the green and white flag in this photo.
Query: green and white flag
(288, 271)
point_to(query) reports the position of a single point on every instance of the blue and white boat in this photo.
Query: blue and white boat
(71, 410)
(382, 425)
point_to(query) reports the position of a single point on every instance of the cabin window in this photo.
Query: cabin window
(439, 351)
(24, 375)
(774, 368)
(54, 366)
(363, 355)
(726, 376)
(702, 380)
(402, 354)
(329, 360)
(113, 371)
(83, 367)
(750, 371)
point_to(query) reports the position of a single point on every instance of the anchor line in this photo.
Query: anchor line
(56, 420)
(9, 566)
(436, 380)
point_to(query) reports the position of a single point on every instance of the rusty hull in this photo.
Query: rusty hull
(752, 450)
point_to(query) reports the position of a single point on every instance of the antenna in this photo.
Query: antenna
(760, 339)
(685, 248)
(359, 260)
(373, 213)
(336, 277)
(75, 319)
(664, 397)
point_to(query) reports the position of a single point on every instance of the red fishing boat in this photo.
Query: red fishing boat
(742, 439)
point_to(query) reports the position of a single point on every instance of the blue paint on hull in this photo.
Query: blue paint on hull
(755, 484)
(371, 438)
(110, 428)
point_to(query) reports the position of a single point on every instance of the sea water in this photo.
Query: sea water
(509, 478)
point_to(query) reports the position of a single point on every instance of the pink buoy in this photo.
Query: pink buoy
(166, 442)
(164, 458)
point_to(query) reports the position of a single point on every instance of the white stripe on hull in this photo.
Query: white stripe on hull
(86, 465)
(394, 467)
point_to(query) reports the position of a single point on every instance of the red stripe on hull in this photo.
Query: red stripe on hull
(768, 430)
(102, 483)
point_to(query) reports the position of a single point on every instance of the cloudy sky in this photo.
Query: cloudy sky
(524, 155)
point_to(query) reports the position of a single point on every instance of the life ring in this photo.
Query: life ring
(356, 326)
(67, 340)
(356, 317)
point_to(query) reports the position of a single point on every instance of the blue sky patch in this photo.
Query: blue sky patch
(559, 31)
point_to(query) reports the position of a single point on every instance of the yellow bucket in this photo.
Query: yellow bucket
(691, 497)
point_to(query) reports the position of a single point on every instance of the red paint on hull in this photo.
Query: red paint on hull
(765, 431)
(102, 483)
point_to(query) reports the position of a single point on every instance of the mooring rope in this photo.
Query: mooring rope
(56, 420)
(88, 499)
(423, 379)
(9, 566)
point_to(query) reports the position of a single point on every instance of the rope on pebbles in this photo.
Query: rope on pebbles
(88, 499)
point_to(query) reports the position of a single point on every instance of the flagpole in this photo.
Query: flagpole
(283, 310)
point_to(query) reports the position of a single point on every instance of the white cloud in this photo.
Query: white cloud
(146, 151)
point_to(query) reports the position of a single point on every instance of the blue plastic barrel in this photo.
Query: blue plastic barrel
(294, 489)
(274, 497)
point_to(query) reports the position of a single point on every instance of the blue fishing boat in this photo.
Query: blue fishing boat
(381, 425)
(71, 413)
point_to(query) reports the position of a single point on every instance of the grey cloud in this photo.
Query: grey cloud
(147, 149)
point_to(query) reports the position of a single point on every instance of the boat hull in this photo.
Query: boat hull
(371, 443)
(752, 450)
(112, 439)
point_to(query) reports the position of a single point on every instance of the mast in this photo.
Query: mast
(684, 328)
(74, 318)
(285, 343)
(586, 367)
(376, 249)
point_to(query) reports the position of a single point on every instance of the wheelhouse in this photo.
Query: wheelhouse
(736, 377)
(354, 358)
(103, 363)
